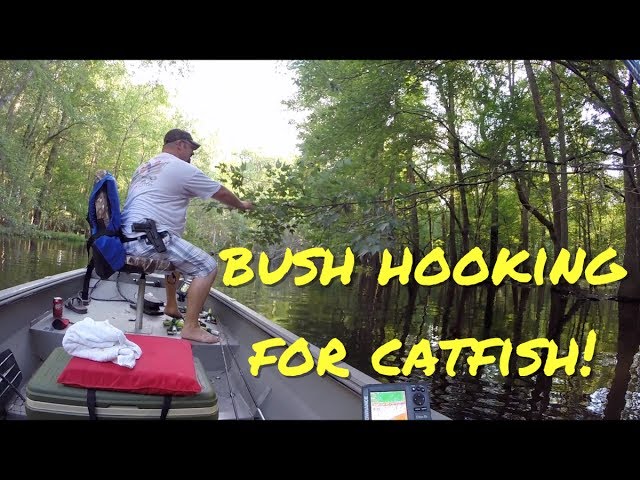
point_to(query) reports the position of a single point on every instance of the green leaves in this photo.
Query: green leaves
(376, 168)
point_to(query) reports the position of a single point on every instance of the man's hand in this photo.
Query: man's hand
(229, 198)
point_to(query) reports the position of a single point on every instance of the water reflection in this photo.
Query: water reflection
(365, 315)
(626, 370)
(24, 259)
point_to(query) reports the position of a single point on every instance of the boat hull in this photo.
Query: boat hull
(25, 327)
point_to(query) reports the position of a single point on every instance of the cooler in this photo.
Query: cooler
(49, 400)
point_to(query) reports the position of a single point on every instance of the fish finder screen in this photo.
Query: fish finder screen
(389, 405)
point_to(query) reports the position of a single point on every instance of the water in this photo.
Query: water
(24, 259)
(364, 316)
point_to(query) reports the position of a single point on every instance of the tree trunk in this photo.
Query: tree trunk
(28, 138)
(17, 90)
(51, 160)
(556, 231)
(453, 253)
(564, 193)
(414, 228)
(493, 232)
(629, 286)
(454, 145)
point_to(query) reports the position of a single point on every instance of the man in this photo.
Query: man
(161, 190)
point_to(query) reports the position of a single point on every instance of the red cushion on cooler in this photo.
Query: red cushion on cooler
(166, 367)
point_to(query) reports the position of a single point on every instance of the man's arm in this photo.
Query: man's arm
(226, 196)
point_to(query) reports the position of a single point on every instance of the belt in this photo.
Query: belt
(143, 237)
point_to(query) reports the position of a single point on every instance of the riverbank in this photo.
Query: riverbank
(30, 231)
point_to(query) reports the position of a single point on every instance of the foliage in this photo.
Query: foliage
(379, 147)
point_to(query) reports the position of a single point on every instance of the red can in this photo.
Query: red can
(58, 308)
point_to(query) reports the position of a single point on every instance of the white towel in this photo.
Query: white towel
(100, 341)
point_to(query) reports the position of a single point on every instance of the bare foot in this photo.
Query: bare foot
(198, 335)
(174, 314)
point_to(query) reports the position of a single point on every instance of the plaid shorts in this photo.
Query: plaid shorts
(187, 258)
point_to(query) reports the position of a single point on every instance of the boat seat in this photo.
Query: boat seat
(144, 266)
(133, 264)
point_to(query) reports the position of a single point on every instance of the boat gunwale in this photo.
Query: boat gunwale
(356, 380)
(11, 294)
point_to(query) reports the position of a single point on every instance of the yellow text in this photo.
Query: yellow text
(320, 263)
(297, 359)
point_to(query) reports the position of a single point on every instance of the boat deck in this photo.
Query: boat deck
(107, 303)
(26, 329)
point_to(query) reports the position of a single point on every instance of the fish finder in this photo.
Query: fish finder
(396, 401)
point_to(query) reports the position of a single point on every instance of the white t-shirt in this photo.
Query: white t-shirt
(161, 189)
